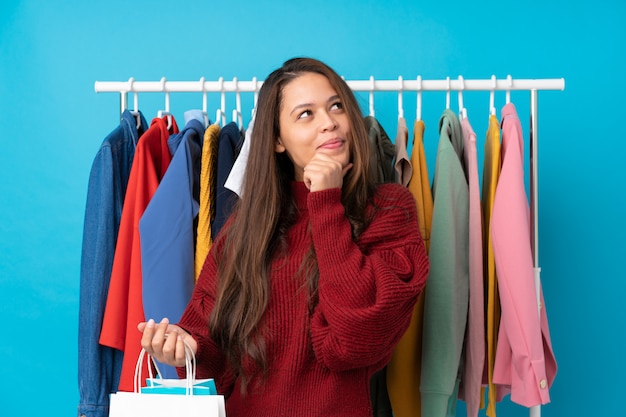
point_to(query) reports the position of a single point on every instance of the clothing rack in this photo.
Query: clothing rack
(372, 85)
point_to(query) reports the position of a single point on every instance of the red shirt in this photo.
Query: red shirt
(321, 364)
(124, 308)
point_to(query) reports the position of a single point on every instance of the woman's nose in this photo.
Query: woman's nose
(328, 122)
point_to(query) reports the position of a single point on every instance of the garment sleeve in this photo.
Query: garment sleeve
(210, 360)
(99, 366)
(367, 291)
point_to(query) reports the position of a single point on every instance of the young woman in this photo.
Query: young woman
(313, 279)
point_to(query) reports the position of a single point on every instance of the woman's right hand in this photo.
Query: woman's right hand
(166, 342)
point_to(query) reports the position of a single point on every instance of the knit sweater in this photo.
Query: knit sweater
(320, 364)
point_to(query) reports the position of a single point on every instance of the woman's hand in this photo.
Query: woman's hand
(323, 172)
(166, 342)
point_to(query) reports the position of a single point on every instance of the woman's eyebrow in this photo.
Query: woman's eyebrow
(305, 105)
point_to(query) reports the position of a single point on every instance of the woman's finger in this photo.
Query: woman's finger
(180, 350)
(169, 346)
(158, 338)
(148, 334)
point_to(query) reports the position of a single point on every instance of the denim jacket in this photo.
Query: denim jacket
(99, 366)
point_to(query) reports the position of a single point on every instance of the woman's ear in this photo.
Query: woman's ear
(280, 148)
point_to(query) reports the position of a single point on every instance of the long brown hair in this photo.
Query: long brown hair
(265, 211)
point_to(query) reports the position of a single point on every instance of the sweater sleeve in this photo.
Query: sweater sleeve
(367, 289)
(195, 320)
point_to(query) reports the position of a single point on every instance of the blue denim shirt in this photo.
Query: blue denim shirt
(99, 366)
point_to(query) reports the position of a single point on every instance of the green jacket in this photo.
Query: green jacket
(446, 294)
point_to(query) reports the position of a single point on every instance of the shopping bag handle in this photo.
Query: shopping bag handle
(190, 369)
(190, 364)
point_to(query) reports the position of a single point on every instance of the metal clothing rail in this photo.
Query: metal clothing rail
(371, 85)
(418, 84)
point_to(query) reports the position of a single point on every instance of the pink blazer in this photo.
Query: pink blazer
(471, 382)
(525, 365)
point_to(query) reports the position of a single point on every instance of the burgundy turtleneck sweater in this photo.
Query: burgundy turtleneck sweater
(320, 364)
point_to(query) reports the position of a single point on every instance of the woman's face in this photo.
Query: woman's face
(312, 119)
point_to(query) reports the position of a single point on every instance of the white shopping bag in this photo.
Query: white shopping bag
(176, 403)
(135, 404)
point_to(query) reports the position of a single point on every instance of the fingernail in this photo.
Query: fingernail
(150, 323)
(165, 320)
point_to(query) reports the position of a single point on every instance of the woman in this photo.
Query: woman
(313, 280)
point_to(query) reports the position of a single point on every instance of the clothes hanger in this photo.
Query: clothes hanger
(492, 92)
(509, 81)
(419, 98)
(447, 93)
(205, 114)
(237, 116)
(400, 107)
(135, 112)
(220, 118)
(220, 114)
(166, 112)
(462, 110)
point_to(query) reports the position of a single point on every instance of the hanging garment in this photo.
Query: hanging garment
(99, 366)
(525, 364)
(208, 187)
(124, 307)
(402, 164)
(229, 146)
(474, 350)
(420, 183)
(234, 182)
(167, 232)
(383, 151)
(405, 367)
(491, 173)
(446, 293)
(382, 167)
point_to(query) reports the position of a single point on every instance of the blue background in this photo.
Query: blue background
(52, 123)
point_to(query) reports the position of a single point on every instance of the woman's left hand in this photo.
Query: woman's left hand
(323, 172)
(165, 342)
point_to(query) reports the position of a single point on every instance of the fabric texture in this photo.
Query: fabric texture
(383, 151)
(383, 157)
(208, 188)
(167, 232)
(525, 364)
(404, 369)
(387, 162)
(491, 172)
(124, 306)
(99, 366)
(234, 182)
(367, 292)
(402, 164)
(446, 294)
(474, 349)
(229, 144)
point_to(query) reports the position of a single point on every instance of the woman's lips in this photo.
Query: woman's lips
(332, 144)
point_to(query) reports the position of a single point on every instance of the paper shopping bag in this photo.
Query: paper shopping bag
(169, 397)
(134, 404)
(178, 386)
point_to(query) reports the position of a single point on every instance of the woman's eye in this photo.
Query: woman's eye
(305, 114)
(336, 106)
